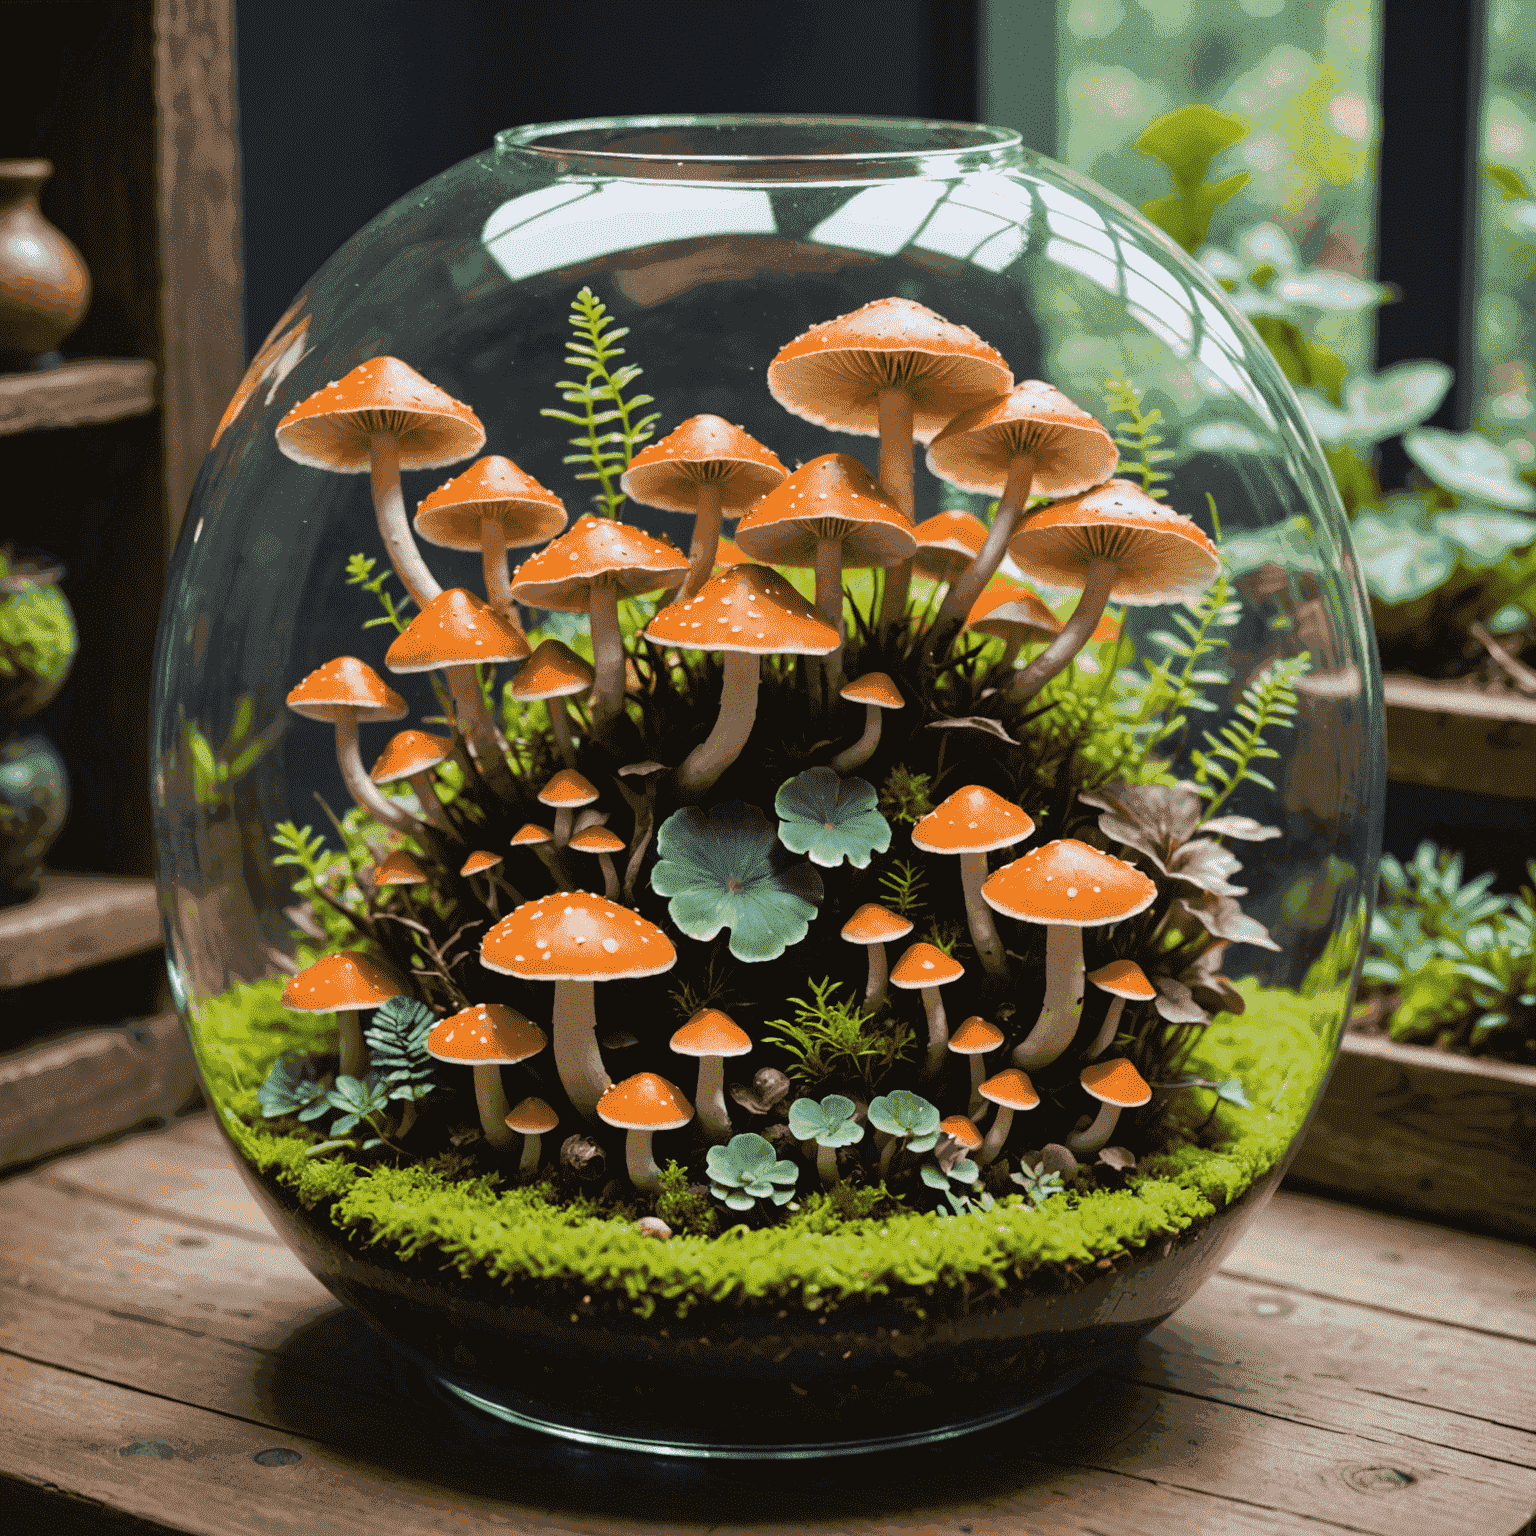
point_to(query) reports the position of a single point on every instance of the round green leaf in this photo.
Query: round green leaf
(831, 818)
(1467, 464)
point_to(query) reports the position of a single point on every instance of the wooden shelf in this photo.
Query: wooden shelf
(1448, 736)
(85, 392)
(77, 921)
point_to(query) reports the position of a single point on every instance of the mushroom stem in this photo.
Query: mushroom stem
(1097, 1135)
(1075, 634)
(1062, 1006)
(733, 725)
(354, 1054)
(394, 525)
(528, 1165)
(577, 1058)
(989, 948)
(710, 1103)
(426, 793)
(706, 540)
(407, 1120)
(363, 790)
(976, 1103)
(829, 602)
(476, 723)
(491, 1101)
(879, 972)
(607, 655)
(643, 1172)
(972, 581)
(826, 1165)
(560, 728)
(888, 1151)
(938, 1032)
(895, 407)
(1106, 1035)
(490, 898)
(513, 894)
(864, 748)
(610, 877)
(565, 818)
(992, 1143)
(493, 555)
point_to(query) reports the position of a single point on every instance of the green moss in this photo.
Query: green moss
(839, 1246)
(683, 1210)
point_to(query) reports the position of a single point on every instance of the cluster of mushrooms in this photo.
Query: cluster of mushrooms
(892, 369)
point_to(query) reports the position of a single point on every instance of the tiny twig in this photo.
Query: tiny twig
(1521, 677)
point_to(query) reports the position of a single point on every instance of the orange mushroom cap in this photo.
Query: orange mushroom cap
(711, 1033)
(455, 629)
(925, 965)
(1011, 612)
(533, 1117)
(450, 516)
(333, 428)
(345, 686)
(947, 544)
(597, 551)
(833, 373)
(1123, 978)
(1071, 450)
(972, 820)
(1068, 882)
(598, 840)
(873, 924)
(975, 1037)
(480, 861)
(645, 1102)
(409, 752)
(485, 1035)
(398, 868)
(576, 936)
(703, 449)
(530, 835)
(553, 671)
(1162, 556)
(833, 497)
(745, 608)
(1011, 1088)
(567, 790)
(958, 1128)
(1116, 1082)
(875, 688)
(347, 980)
(727, 554)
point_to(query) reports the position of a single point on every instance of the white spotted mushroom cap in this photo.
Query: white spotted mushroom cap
(455, 629)
(745, 608)
(576, 936)
(925, 965)
(346, 980)
(485, 1035)
(972, 820)
(1070, 883)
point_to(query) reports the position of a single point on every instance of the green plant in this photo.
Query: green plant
(1267, 704)
(1187, 140)
(831, 818)
(1038, 1181)
(904, 795)
(685, 1210)
(396, 1036)
(362, 571)
(610, 429)
(293, 1086)
(829, 1039)
(1137, 437)
(902, 887)
(908, 1121)
(747, 1169)
(831, 1124)
(38, 639)
(955, 1183)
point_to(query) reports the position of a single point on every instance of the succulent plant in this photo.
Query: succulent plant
(831, 818)
(747, 1169)
(831, 1124)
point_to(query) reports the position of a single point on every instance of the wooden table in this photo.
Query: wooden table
(165, 1365)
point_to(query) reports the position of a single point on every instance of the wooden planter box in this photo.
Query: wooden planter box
(1444, 1137)
(1449, 736)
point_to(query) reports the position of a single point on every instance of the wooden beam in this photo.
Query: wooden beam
(83, 392)
(77, 921)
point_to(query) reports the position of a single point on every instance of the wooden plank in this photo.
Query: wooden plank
(77, 921)
(202, 263)
(1429, 1133)
(1449, 736)
(82, 392)
(1322, 1248)
(93, 1083)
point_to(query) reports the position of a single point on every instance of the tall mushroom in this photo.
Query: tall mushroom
(1126, 982)
(587, 570)
(947, 544)
(973, 822)
(747, 612)
(381, 418)
(1117, 1085)
(1015, 616)
(1068, 886)
(974, 1039)
(341, 693)
(642, 1105)
(829, 515)
(877, 693)
(493, 507)
(455, 633)
(413, 755)
(483, 862)
(1032, 440)
(874, 927)
(711, 1036)
(532, 1119)
(565, 794)
(487, 1037)
(602, 844)
(344, 984)
(707, 468)
(893, 370)
(1013, 1093)
(1115, 542)
(554, 673)
(926, 968)
(575, 939)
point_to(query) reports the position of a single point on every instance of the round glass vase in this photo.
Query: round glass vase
(1226, 742)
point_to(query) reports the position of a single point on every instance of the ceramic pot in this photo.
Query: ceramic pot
(45, 287)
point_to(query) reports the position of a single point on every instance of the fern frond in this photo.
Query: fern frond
(1228, 758)
(1137, 437)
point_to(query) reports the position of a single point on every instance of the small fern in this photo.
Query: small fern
(904, 795)
(902, 887)
(360, 573)
(610, 429)
(1137, 437)
(828, 1038)
(1268, 703)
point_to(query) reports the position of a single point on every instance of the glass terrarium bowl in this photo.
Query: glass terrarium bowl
(798, 1260)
